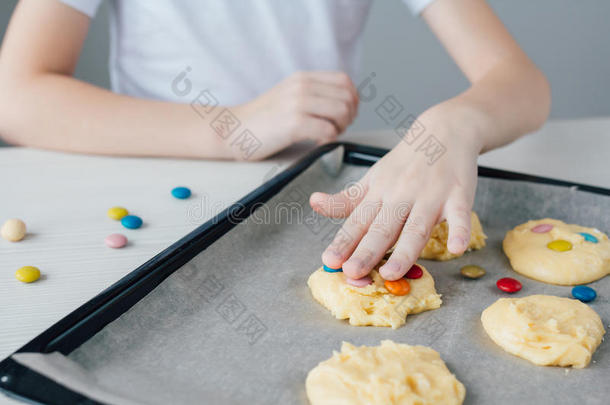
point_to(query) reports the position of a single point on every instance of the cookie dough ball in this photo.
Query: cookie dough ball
(436, 248)
(554, 252)
(546, 330)
(372, 304)
(13, 230)
(387, 374)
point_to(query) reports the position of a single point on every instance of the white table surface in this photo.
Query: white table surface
(63, 199)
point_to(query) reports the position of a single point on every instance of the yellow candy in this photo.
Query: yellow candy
(117, 213)
(560, 245)
(27, 274)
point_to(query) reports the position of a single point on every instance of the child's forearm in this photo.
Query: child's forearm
(508, 96)
(58, 112)
(511, 100)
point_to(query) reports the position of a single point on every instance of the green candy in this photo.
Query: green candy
(472, 271)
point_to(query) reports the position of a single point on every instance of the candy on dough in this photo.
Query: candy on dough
(436, 248)
(546, 330)
(388, 374)
(529, 255)
(373, 304)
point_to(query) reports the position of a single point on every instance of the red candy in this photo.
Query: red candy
(414, 272)
(509, 285)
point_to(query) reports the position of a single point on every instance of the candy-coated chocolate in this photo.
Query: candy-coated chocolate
(472, 271)
(115, 240)
(509, 285)
(398, 287)
(329, 270)
(181, 192)
(359, 282)
(414, 272)
(559, 245)
(584, 293)
(13, 230)
(588, 237)
(131, 222)
(542, 228)
(27, 274)
(117, 213)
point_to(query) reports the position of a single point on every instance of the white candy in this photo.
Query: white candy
(13, 230)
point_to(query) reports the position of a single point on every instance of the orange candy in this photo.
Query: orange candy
(398, 287)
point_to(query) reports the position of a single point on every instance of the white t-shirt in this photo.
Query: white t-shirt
(232, 49)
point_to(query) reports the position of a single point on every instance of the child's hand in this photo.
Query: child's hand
(402, 197)
(307, 105)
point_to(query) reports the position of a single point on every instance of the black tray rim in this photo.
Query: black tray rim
(17, 381)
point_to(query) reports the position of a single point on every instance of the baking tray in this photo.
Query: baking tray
(224, 315)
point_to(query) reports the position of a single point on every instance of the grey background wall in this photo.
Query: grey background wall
(567, 39)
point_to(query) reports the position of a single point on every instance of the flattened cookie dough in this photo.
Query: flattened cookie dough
(546, 330)
(389, 374)
(436, 248)
(554, 252)
(373, 304)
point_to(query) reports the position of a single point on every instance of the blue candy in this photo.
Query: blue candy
(131, 222)
(181, 192)
(588, 237)
(329, 270)
(584, 293)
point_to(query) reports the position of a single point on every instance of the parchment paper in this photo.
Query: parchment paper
(237, 324)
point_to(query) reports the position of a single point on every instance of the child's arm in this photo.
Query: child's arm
(41, 105)
(425, 180)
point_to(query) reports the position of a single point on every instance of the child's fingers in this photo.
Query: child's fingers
(382, 233)
(335, 93)
(336, 111)
(316, 129)
(340, 79)
(341, 204)
(412, 240)
(351, 233)
(458, 220)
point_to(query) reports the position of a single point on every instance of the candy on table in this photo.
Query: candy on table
(588, 237)
(472, 271)
(27, 274)
(559, 245)
(181, 192)
(542, 228)
(584, 293)
(131, 222)
(117, 213)
(398, 287)
(509, 285)
(115, 240)
(414, 272)
(13, 230)
(359, 282)
(329, 270)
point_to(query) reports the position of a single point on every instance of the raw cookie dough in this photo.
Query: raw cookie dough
(373, 304)
(546, 330)
(529, 255)
(387, 374)
(436, 248)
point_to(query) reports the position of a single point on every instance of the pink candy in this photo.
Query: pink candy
(115, 240)
(360, 282)
(542, 228)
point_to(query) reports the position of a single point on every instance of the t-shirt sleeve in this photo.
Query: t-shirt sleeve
(417, 6)
(88, 7)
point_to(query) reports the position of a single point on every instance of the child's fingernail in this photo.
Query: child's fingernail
(331, 256)
(390, 270)
(457, 243)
